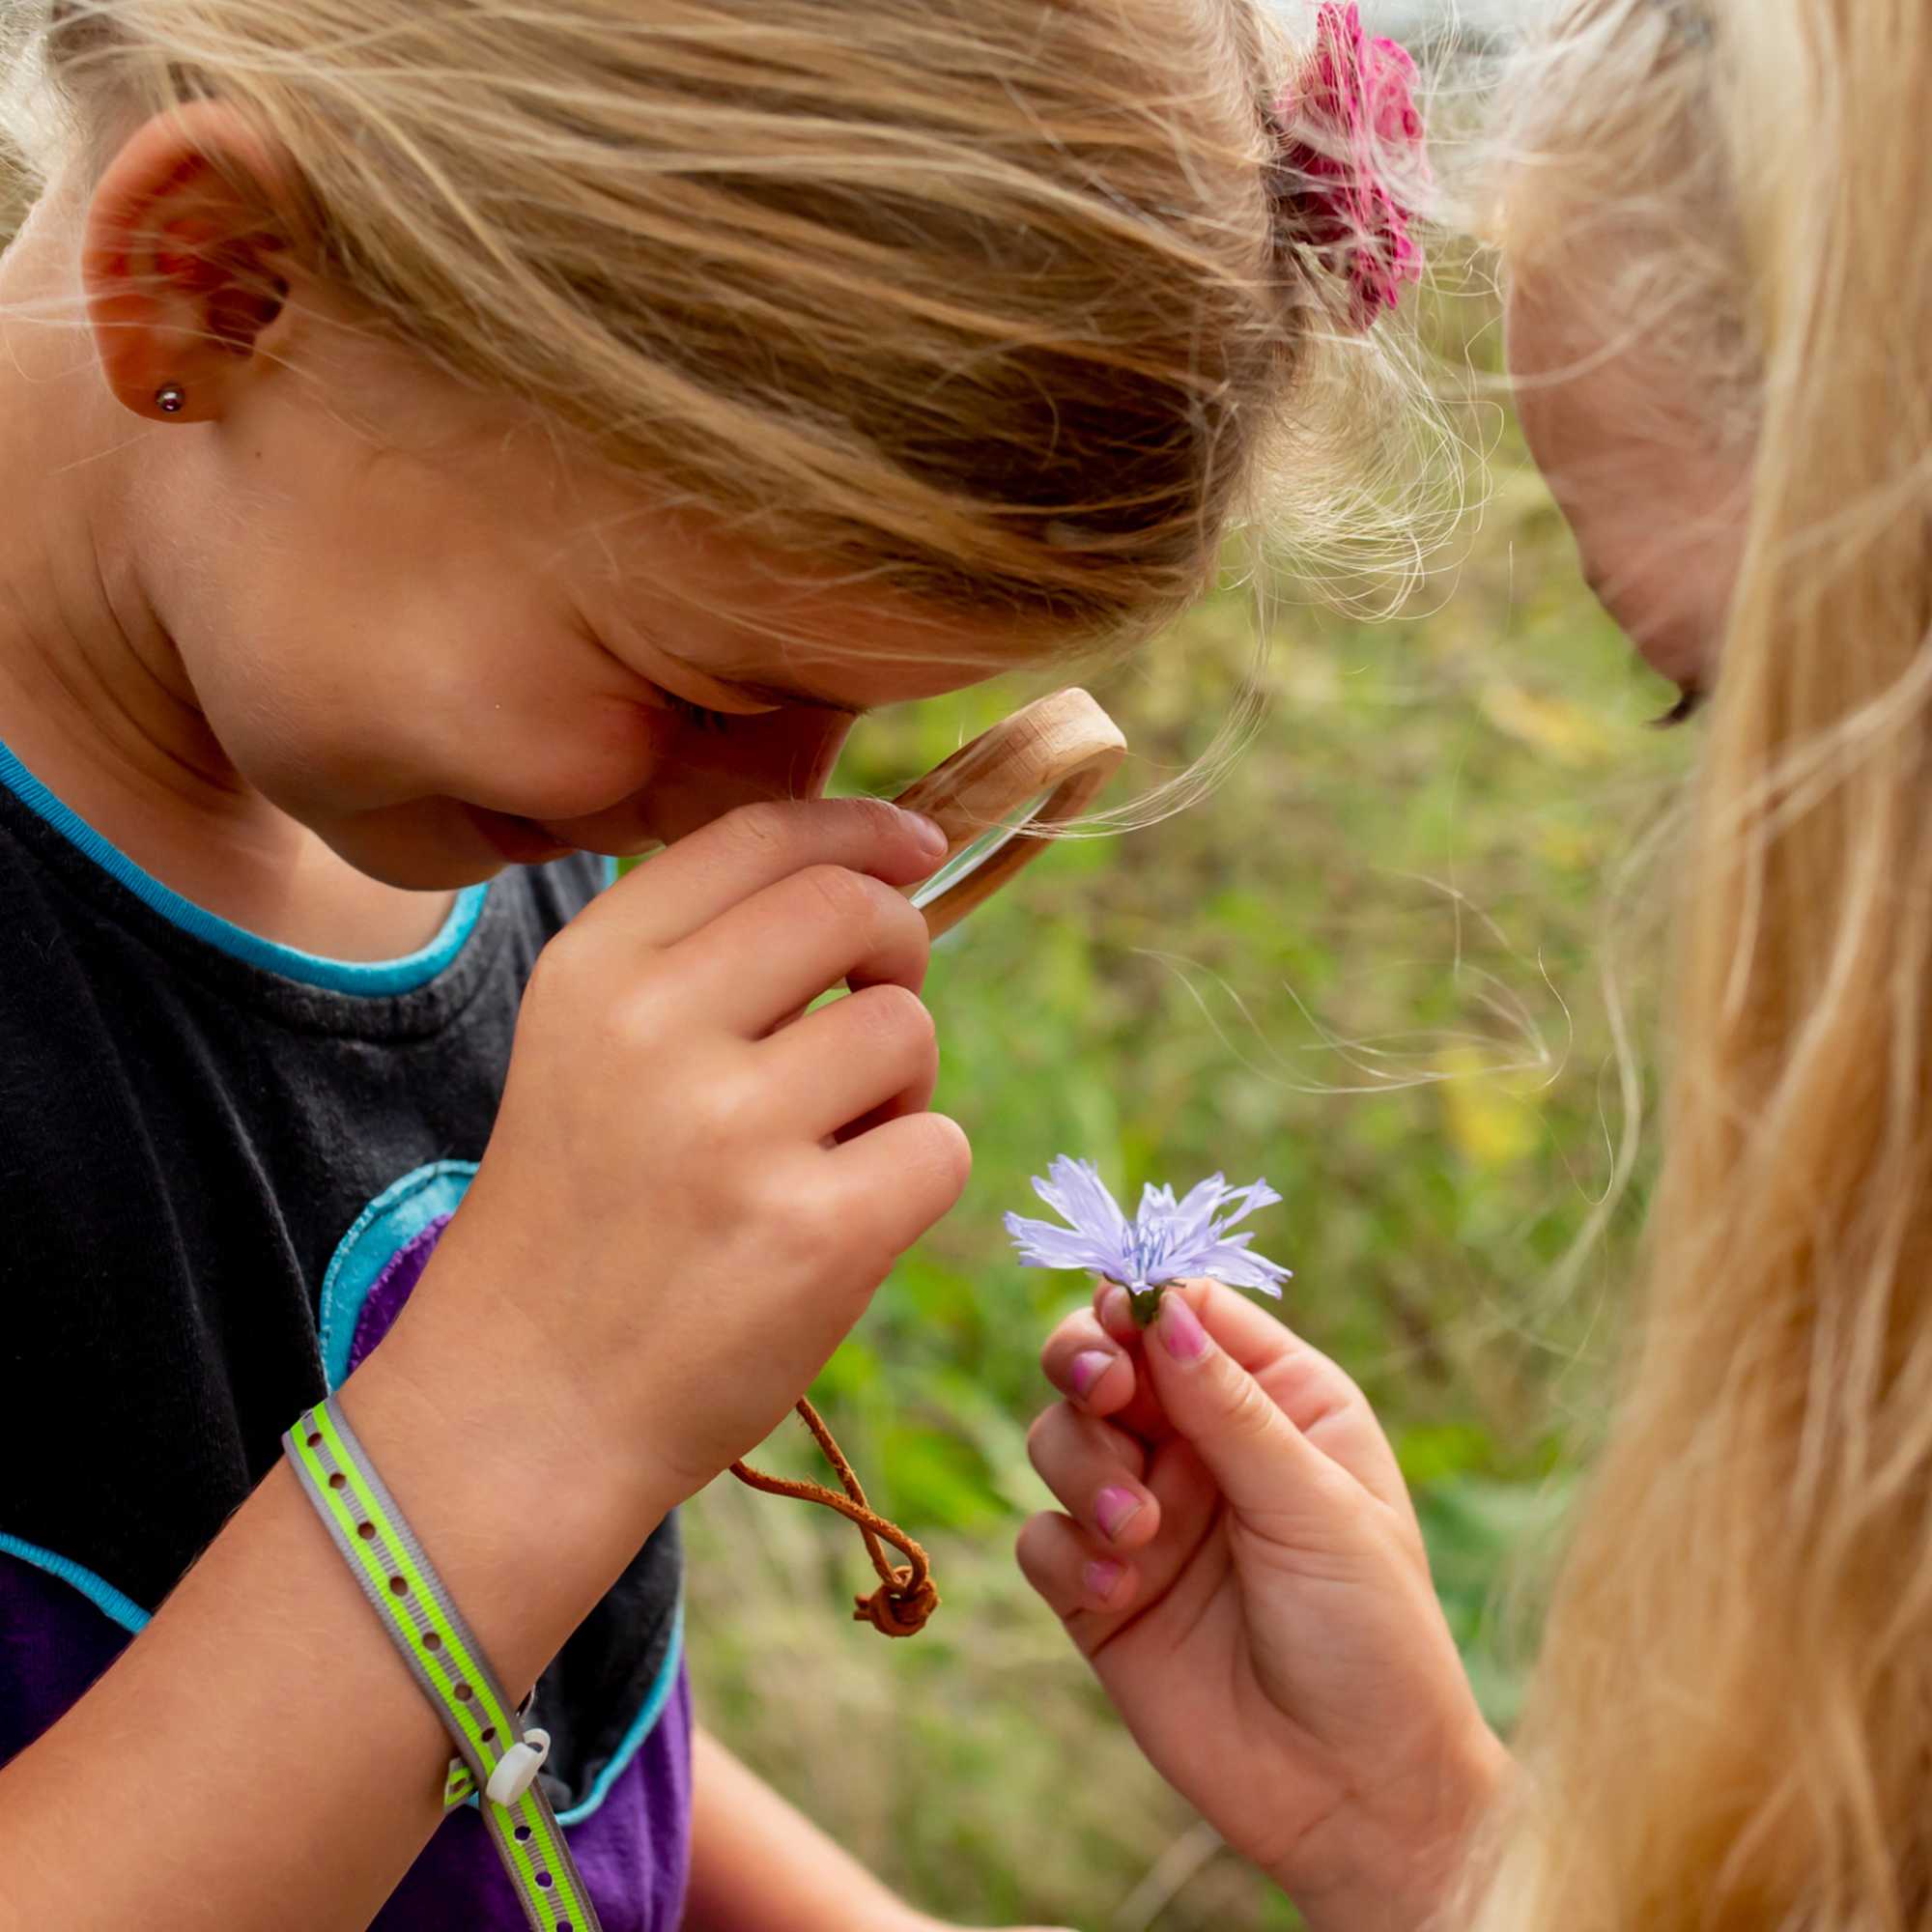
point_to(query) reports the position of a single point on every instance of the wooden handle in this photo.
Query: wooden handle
(1059, 750)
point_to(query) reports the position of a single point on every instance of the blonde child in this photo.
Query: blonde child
(442, 439)
(1714, 219)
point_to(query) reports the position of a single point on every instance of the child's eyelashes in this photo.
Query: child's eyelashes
(696, 716)
(1690, 701)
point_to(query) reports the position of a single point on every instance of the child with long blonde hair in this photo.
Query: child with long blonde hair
(442, 439)
(1713, 216)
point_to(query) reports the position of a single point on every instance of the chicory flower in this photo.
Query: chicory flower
(1167, 1240)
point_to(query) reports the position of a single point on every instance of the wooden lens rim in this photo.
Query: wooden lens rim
(1061, 749)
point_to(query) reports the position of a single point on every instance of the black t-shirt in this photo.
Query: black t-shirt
(222, 1166)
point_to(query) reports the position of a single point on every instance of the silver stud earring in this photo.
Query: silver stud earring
(171, 399)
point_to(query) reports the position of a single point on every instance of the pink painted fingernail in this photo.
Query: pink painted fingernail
(1181, 1334)
(1087, 1368)
(1101, 1579)
(1113, 1508)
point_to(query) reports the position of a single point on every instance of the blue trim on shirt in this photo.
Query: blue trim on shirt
(114, 1604)
(641, 1726)
(371, 978)
(378, 1235)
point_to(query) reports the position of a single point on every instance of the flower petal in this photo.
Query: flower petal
(1194, 1216)
(1154, 1203)
(1231, 1263)
(1245, 1201)
(1074, 1191)
(1042, 1244)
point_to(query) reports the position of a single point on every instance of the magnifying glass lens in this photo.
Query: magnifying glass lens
(968, 858)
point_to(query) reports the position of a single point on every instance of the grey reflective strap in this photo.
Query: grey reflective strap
(447, 1662)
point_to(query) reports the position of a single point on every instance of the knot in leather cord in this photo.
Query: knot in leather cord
(907, 1595)
(901, 1608)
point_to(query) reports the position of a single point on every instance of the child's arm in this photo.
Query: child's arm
(668, 1236)
(1261, 1612)
(259, 1757)
(758, 1866)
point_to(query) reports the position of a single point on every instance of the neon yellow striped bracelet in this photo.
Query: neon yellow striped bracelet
(497, 1760)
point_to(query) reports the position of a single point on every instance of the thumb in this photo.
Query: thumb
(1261, 1462)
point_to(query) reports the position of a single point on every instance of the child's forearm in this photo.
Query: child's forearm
(259, 1759)
(758, 1866)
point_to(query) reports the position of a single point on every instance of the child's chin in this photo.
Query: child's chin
(520, 841)
(423, 851)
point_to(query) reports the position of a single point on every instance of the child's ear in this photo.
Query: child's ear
(190, 243)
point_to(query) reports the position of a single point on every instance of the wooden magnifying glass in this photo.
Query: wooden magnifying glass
(999, 797)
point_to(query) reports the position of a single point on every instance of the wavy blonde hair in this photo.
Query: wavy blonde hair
(1731, 1726)
(979, 300)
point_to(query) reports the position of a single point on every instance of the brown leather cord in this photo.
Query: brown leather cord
(906, 1596)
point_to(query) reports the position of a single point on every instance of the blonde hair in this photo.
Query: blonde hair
(979, 300)
(1731, 1724)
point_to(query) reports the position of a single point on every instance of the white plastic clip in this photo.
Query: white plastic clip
(517, 1769)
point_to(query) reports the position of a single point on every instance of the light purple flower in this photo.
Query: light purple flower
(1167, 1240)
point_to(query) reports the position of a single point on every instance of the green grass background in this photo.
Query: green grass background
(1370, 967)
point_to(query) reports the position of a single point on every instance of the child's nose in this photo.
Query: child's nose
(701, 773)
(786, 754)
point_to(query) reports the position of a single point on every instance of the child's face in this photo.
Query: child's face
(1654, 503)
(441, 647)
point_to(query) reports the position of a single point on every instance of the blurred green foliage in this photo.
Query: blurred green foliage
(1370, 967)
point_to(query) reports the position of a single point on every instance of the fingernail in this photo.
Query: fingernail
(930, 834)
(1100, 1578)
(1113, 1508)
(1087, 1369)
(1181, 1334)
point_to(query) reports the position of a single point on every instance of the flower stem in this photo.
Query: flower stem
(1145, 1307)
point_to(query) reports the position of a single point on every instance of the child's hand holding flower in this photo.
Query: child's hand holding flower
(1240, 1564)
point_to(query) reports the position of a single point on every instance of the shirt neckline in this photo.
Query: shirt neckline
(379, 978)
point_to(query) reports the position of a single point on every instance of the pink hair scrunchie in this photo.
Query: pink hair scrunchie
(1350, 109)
